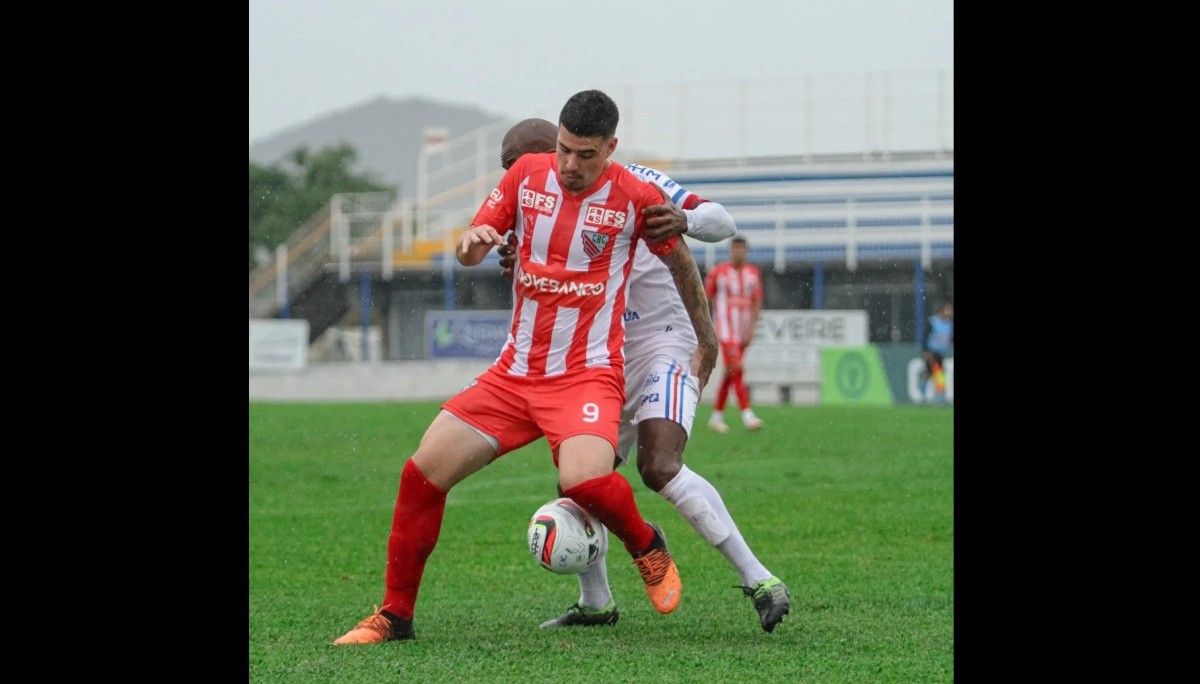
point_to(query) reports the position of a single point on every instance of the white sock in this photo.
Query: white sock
(747, 414)
(717, 417)
(594, 591)
(701, 506)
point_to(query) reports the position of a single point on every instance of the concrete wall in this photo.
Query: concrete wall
(428, 381)
(383, 381)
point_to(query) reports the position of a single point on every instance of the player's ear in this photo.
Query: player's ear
(612, 146)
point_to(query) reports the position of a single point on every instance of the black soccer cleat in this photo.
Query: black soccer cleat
(580, 616)
(771, 599)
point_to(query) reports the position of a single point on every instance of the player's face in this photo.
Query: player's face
(582, 160)
(737, 254)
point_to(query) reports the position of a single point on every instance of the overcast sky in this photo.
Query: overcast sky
(310, 58)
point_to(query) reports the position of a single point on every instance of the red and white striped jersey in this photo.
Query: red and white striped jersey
(574, 253)
(733, 293)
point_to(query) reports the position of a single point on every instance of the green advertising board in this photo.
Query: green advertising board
(853, 375)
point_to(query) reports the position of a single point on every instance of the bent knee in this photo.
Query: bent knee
(658, 465)
(660, 451)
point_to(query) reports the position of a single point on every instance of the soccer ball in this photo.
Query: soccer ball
(564, 538)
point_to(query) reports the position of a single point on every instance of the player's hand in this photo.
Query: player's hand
(663, 221)
(479, 235)
(476, 242)
(508, 255)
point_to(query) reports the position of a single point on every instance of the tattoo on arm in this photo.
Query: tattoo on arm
(687, 279)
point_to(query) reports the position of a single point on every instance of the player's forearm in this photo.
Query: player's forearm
(710, 222)
(690, 285)
(473, 256)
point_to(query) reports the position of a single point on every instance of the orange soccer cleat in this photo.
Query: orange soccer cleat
(376, 629)
(660, 574)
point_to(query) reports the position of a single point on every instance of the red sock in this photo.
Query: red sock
(739, 388)
(610, 498)
(416, 524)
(722, 393)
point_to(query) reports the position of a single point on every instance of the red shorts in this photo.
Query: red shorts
(731, 353)
(518, 410)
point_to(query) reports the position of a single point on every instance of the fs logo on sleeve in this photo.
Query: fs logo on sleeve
(495, 198)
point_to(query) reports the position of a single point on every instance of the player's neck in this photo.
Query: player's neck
(591, 186)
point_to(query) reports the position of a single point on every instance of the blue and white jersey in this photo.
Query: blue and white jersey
(654, 312)
(679, 195)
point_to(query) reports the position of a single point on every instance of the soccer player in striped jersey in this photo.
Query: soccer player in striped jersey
(734, 288)
(661, 391)
(578, 218)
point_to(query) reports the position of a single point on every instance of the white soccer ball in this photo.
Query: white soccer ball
(563, 537)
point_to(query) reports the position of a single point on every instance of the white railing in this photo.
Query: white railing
(851, 225)
(348, 224)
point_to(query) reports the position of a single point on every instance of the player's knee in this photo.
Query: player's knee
(660, 451)
(658, 464)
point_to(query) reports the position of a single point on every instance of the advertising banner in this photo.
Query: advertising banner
(278, 344)
(905, 368)
(465, 334)
(853, 375)
(797, 335)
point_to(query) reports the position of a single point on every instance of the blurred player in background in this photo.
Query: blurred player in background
(661, 389)
(560, 374)
(734, 288)
(939, 336)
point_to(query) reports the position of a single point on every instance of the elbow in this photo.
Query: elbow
(725, 225)
(710, 222)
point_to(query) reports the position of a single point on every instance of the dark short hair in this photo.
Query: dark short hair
(739, 240)
(590, 114)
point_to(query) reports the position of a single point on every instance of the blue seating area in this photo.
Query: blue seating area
(832, 211)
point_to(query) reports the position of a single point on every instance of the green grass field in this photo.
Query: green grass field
(852, 507)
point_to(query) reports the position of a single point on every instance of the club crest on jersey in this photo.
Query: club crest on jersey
(599, 216)
(593, 243)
